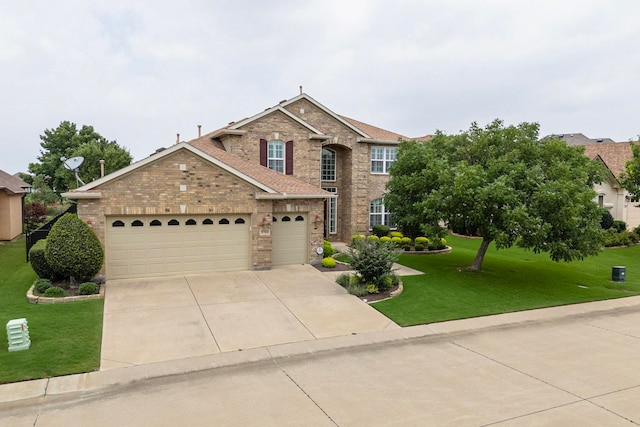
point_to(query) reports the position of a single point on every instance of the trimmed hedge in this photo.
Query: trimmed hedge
(328, 262)
(73, 249)
(39, 261)
(88, 288)
(41, 285)
(54, 292)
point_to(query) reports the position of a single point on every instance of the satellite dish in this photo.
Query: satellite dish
(73, 164)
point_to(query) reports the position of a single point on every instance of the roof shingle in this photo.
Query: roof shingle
(12, 184)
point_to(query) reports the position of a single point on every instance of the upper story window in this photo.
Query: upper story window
(382, 158)
(328, 168)
(275, 156)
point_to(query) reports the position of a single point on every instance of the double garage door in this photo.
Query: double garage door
(146, 246)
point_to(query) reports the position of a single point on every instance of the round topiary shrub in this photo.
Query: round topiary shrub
(88, 288)
(328, 262)
(385, 239)
(39, 262)
(356, 237)
(328, 249)
(396, 234)
(73, 249)
(397, 240)
(54, 292)
(41, 285)
(422, 241)
(419, 247)
(380, 230)
(373, 238)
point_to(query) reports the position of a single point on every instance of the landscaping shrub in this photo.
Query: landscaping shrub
(54, 292)
(357, 237)
(380, 230)
(372, 289)
(397, 241)
(637, 230)
(419, 247)
(328, 249)
(373, 238)
(406, 241)
(343, 280)
(606, 222)
(437, 243)
(615, 238)
(88, 288)
(373, 261)
(328, 262)
(41, 285)
(396, 234)
(422, 241)
(35, 214)
(619, 225)
(39, 261)
(385, 239)
(357, 289)
(74, 249)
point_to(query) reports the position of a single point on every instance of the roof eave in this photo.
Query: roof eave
(376, 141)
(74, 195)
(285, 196)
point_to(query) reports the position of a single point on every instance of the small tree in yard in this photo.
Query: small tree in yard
(73, 249)
(373, 261)
(504, 184)
(34, 216)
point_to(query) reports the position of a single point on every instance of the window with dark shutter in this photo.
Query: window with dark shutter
(288, 152)
(263, 152)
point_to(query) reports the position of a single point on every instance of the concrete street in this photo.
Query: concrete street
(568, 366)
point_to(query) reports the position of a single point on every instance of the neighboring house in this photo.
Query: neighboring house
(12, 192)
(610, 193)
(258, 193)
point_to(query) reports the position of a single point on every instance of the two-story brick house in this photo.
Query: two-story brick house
(303, 138)
(257, 193)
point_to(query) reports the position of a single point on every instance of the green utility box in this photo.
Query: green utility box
(18, 335)
(619, 273)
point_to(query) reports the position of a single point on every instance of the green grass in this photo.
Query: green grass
(512, 280)
(65, 338)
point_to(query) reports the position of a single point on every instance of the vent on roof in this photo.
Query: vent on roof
(283, 101)
(599, 140)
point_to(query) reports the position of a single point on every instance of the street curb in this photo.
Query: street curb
(97, 383)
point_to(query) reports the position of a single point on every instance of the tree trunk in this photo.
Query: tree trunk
(477, 262)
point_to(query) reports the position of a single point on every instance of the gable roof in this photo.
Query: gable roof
(615, 155)
(366, 132)
(12, 184)
(273, 184)
(580, 139)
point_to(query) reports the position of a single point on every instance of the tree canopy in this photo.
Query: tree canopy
(503, 184)
(67, 141)
(631, 177)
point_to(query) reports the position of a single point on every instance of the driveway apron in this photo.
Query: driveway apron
(167, 318)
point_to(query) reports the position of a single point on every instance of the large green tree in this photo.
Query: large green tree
(631, 177)
(68, 141)
(504, 184)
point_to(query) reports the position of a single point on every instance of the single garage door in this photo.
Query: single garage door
(289, 239)
(146, 246)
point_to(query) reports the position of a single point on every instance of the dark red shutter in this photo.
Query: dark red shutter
(263, 152)
(288, 155)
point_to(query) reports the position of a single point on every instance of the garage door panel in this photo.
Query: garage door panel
(177, 249)
(289, 239)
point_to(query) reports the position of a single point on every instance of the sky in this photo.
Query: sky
(141, 72)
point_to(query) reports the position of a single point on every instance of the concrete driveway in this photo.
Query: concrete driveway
(167, 318)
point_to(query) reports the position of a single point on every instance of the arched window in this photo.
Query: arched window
(274, 219)
(117, 223)
(174, 222)
(286, 218)
(223, 221)
(155, 223)
(239, 221)
(299, 218)
(207, 221)
(328, 166)
(275, 156)
(137, 223)
(190, 222)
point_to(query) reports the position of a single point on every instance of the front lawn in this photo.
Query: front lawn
(65, 338)
(512, 280)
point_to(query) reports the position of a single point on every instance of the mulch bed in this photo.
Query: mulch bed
(347, 268)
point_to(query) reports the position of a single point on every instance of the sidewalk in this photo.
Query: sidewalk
(70, 388)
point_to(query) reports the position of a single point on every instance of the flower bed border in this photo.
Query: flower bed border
(38, 299)
(446, 250)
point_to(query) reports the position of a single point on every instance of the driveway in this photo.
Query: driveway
(166, 318)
